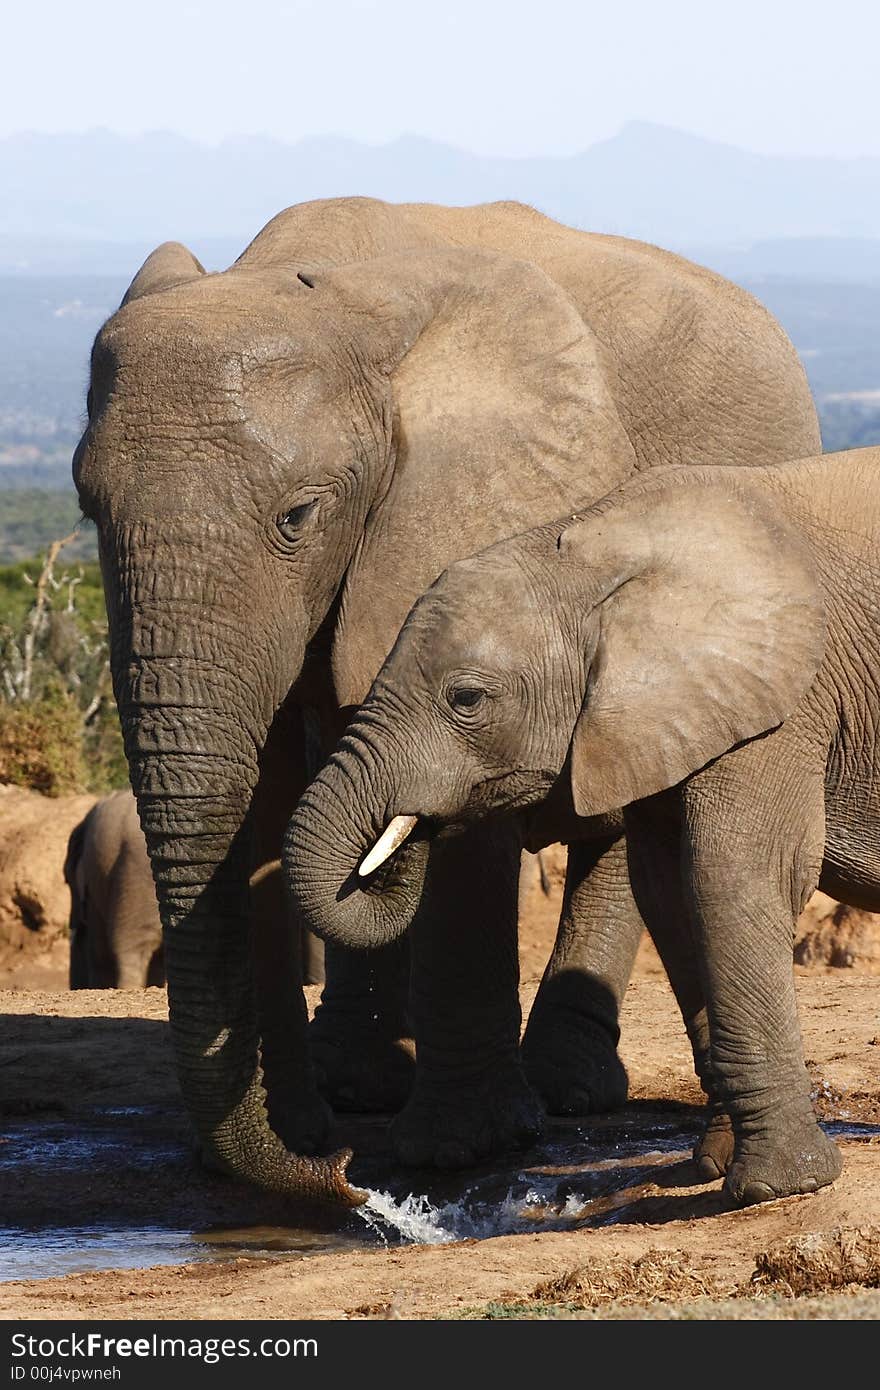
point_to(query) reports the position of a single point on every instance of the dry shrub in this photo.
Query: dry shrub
(820, 1262)
(658, 1276)
(58, 726)
(41, 745)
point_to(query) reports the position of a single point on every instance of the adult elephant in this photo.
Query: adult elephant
(279, 459)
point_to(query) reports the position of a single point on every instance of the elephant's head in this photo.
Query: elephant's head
(272, 453)
(610, 656)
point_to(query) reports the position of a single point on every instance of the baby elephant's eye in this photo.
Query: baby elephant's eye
(291, 523)
(465, 696)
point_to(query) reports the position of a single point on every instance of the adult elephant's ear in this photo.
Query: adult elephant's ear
(170, 264)
(709, 628)
(501, 418)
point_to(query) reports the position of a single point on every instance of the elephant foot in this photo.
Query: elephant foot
(361, 1070)
(713, 1152)
(458, 1125)
(572, 1063)
(783, 1166)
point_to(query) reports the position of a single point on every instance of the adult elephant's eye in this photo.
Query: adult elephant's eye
(465, 696)
(292, 522)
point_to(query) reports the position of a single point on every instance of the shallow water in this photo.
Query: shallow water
(588, 1176)
(57, 1250)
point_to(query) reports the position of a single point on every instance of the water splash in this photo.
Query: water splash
(415, 1220)
(559, 1191)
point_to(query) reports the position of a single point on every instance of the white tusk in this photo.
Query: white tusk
(392, 837)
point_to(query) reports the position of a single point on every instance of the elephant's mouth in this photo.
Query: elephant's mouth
(505, 794)
(390, 870)
(521, 791)
(398, 829)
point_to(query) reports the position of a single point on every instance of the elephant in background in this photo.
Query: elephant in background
(280, 458)
(698, 649)
(115, 930)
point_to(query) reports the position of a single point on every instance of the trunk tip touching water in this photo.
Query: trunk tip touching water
(243, 1146)
(338, 1164)
(195, 778)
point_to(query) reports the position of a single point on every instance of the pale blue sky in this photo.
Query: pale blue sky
(513, 77)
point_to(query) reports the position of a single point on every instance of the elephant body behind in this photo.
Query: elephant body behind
(115, 930)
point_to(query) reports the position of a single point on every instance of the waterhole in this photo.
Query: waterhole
(586, 1175)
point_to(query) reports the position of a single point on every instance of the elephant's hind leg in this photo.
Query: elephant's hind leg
(570, 1043)
(78, 977)
(749, 865)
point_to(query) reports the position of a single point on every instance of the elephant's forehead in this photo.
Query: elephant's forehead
(217, 319)
(477, 615)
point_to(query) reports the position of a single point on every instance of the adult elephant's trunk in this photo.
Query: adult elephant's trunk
(336, 824)
(194, 770)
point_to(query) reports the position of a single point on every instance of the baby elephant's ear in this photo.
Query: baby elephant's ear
(710, 629)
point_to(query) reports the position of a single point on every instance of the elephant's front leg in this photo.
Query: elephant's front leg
(297, 1113)
(471, 1098)
(361, 1033)
(748, 869)
(570, 1043)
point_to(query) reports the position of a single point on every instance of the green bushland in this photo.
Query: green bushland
(45, 746)
(32, 517)
(59, 729)
(17, 593)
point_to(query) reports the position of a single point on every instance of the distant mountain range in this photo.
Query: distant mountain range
(97, 202)
(78, 214)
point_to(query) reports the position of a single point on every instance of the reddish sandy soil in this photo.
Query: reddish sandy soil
(671, 1250)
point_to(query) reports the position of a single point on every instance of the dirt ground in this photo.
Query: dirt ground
(34, 898)
(662, 1247)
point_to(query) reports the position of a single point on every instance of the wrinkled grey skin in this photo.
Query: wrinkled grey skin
(115, 931)
(280, 458)
(699, 648)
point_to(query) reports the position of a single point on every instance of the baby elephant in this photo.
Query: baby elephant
(700, 649)
(115, 932)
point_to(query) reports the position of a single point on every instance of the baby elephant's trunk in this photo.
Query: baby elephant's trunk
(350, 874)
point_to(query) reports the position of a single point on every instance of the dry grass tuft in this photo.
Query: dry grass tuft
(820, 1262)
(847, 1257)
(658, 1276)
